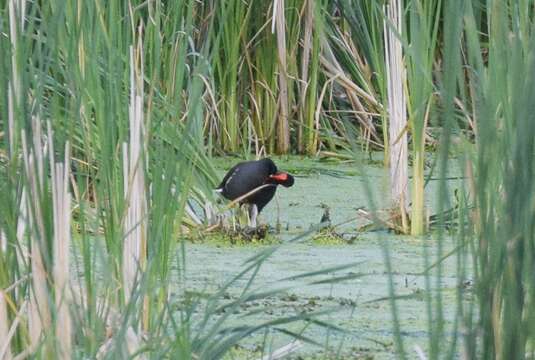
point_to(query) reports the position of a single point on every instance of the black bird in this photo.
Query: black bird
(249, 175)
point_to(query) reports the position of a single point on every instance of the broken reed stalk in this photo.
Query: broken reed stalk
(134, 181)
(397, 111)
(39, 317)
(39, 309)
(61, 203)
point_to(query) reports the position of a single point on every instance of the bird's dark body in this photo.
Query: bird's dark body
(247, 176)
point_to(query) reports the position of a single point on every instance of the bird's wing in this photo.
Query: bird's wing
(227, 177)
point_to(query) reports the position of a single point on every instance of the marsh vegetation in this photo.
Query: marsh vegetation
(410, 121)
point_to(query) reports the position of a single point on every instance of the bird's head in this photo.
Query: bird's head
(276, 176)
(282, 178)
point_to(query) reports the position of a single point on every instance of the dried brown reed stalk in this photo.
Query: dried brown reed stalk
(354, 93)
(39, 316)
(61, 203)
(283, 135)
(134, 180)
(135, 228)
(397, 111)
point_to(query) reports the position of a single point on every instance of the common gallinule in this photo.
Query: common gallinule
(249, 175)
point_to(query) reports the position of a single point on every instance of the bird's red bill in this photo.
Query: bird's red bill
(279, 176)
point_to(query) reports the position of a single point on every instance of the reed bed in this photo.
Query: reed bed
(110, 112)
(92, 209)
(472, 72)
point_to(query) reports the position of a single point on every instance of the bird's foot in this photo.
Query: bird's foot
(258, 232)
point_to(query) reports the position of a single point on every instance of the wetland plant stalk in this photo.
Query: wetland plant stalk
(505, 242)
(39, 315)
(308, 127)
(395, 74)
(134, 183)
(423, 19)
(283, 130)
(61, 202)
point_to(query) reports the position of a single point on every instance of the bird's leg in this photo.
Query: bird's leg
(253, 214)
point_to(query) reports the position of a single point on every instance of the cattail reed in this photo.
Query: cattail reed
(283, 132)
(39, 309)
(61, 200)
(397, 111)
(134, 183)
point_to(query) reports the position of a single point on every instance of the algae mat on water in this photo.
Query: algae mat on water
(360, 305)
(367, 321)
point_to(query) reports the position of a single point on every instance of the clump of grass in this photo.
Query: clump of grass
(329, 236)
(262, 235)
